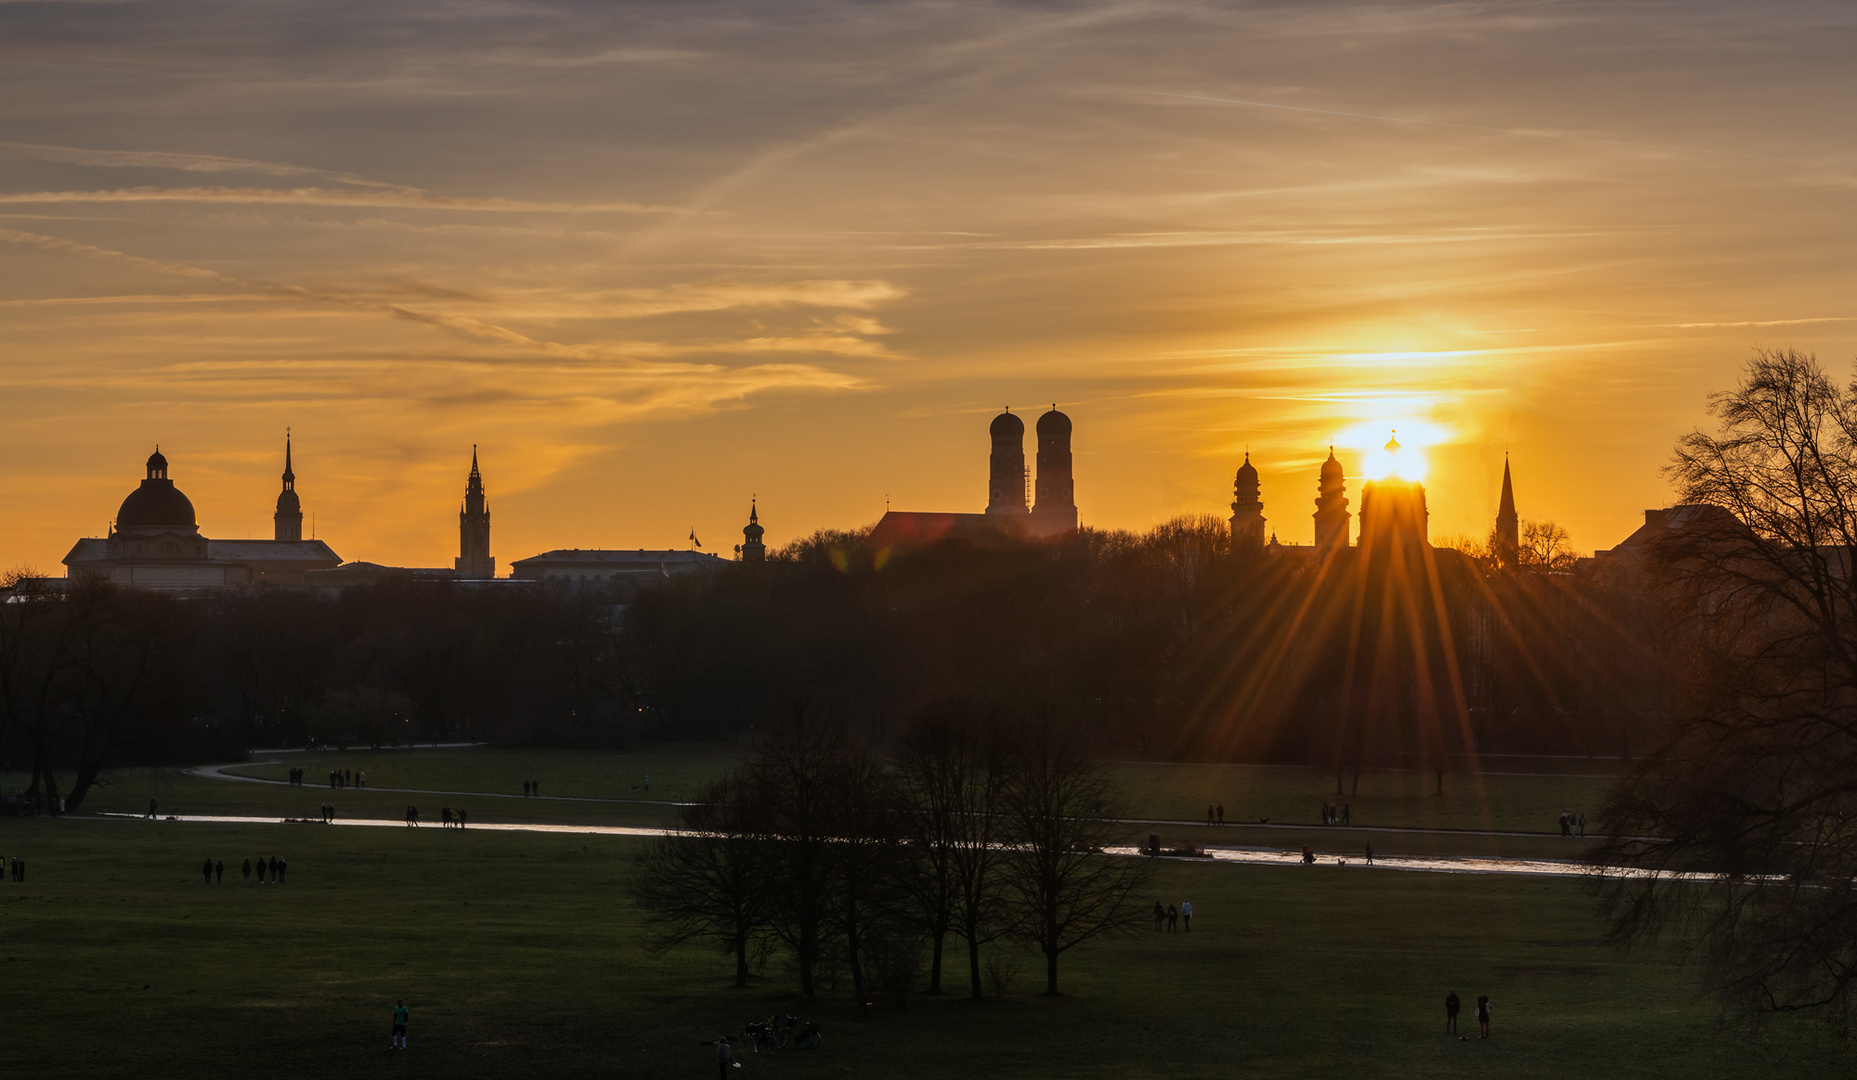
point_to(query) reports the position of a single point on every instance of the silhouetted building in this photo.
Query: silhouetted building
(1054, 510)
(1393, 511)
(287, 522)
(1006, 466)
(155, 543)
(1508, 527)
(474, 559)
(589, 568)
(1247, 511)
(752, 549)
(1332, 519)
(1700, 519)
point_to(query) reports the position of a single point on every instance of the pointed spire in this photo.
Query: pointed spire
(290, 476)
(1506, 509)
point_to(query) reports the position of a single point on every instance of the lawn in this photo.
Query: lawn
(520, 957)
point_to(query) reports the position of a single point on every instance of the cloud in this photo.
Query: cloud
(158, 159)
(399, 198)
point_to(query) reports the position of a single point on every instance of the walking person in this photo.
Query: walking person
(1173, 918)
(1582, 825)
(1160, 916)
(260, 869)
(1483, 1008)
(151, 809)
(444, 816)
(1347, 813)
(1369, 853)
(207, 869)
(275, 880)
(412, 816)
(1221, 809)
(461, 817)
(1186, 915)
(1208, 813)
(219, 872)
(525, 789)
(246, 870)
(277, 870)
(399, 1025)
(1452, 1006)
(725, 1055)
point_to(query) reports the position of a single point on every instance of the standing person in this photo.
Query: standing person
(219, 872)
(151, 809)
(260, 869)
(1221, 813)
(1369, 853)
(460, 817)
(1208, 813)
(1483, 1016)
(277, 871)
(1347, 813)
(537, 785)
(1582, 825)
(647, 783)
(525, 789)
(444, 816)
(1160, 916)
(1173, 918)
(412, 816)
(399, 1025)
(207, 869)
(1452, 1007)
(275, 880)
(1186, 915)
(725, 1056)
(246, 870)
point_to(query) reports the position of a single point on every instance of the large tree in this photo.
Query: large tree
(1743, 830)
(709, 879)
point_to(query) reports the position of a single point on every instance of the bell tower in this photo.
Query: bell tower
(474, 559)
(287, 523)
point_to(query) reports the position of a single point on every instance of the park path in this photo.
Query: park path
(1329, 861)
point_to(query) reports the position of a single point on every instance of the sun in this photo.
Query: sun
(1395, 462)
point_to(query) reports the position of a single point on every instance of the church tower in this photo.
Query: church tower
(1006, 466)
(287, 523)
(1247, 511)
(1054, 509)
(1393, 512)
(1508, 528)
(1331, 507)
(752, 549)
(474, 559)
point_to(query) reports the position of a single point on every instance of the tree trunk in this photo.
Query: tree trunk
(741, 959)
(1051, 973)
(973, 959)
(941, 933)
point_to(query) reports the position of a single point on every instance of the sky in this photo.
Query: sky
(657, 259)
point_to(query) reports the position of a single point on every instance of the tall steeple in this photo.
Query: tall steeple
(1006, 465)
(1054, 509)
(1332, 519)
(1508, 527)
(752, 549)
(474, 559)
(287, 523)
(1247, 511)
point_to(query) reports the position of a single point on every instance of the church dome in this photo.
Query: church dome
(157, 465)
(157, 504)
(1008, 425)
(1053, 423)
(1247, 473)
(1331, 469)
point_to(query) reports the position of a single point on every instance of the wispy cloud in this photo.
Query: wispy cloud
(399, 198)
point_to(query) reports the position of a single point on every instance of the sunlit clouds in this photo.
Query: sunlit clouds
(657, 258)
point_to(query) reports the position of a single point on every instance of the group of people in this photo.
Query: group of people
(328, 813)
(445, 818)
(1175, 917)
(1331, 815)
(340, 778)
(1572, 824)
(1452, 1006)
(533, 788)
(213, 871)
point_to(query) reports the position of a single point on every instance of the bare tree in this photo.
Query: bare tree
(1061, 808)
(709, 880)
(952, 772)
(1545, 546)
(1758, 792)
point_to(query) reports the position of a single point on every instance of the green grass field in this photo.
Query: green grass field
(520, 957)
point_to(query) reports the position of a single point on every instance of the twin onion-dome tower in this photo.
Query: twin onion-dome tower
(1054, 507)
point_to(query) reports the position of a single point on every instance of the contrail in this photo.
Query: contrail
(1470, 127)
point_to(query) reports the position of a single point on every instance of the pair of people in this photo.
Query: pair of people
(533, 788)
(1452, 1006)
(210, 869)
(1215, 815)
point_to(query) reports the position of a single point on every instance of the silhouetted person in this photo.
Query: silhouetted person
(1160, 916)
(525, 789)
(412, 816)
(1452, 1007)
(275, 880)
(1347, 813)
(724, 1056)
(19, 870)
(1186, 915)
(399, 1025)
(444, 816)
(1483, 1016)
(1173, 918)
(151, 809)
(1221, 809)
(1370, 853)
(206, 870)
(246, 870)
(647, 783)
(461, 817)
(1208, 815)
(537, 785)
(1582, 824)
(277, 870)
(261, 870)
(219, 872)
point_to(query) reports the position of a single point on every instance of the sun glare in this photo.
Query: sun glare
(1395, 461)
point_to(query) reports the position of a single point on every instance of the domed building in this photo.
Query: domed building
(155, 543)
(1007, 519)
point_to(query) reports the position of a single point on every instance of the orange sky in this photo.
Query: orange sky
(657, 258)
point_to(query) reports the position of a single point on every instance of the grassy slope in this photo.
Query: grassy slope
(520, 959)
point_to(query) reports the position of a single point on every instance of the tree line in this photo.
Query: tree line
(979, 826)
